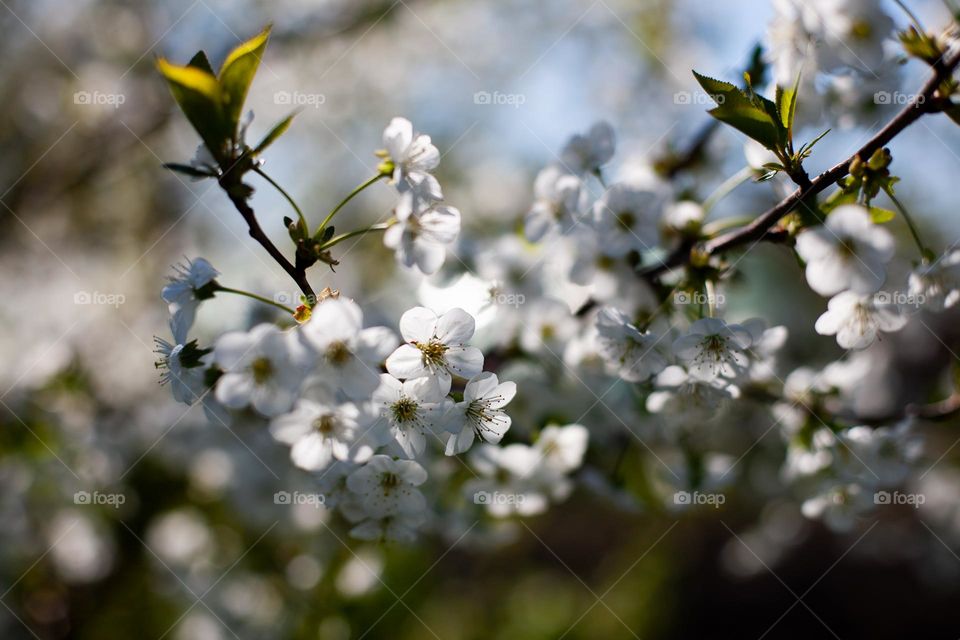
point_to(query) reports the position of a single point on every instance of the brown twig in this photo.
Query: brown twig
(925, 103)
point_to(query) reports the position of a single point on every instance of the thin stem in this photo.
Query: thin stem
(924, 252)
(726, 187)
(710, 290)
(262, 174)
(350, 196)
(911, 15)
(272, 303)
(717, 227)
(383, 226)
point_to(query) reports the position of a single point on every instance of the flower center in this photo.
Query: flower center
(325, 424)
(404, 409)
(262, 369)
(626, 220)
(338, 353)
(389, 480)
(432, 351)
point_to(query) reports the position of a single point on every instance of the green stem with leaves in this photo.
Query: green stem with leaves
(254, 296)
(383, 226)
(287, 196)
(350, 196)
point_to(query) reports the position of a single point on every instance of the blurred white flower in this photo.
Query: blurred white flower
(847, 252)
(349, 355)
(413, 154)
(589, 152)
(628, 352)
(388, 487)
(856, 319)
(422, 233)
(627, 219)
(937, 284)
(559, 203)
(714, 349)
(319, 433)
(185, 292)
(258, 370)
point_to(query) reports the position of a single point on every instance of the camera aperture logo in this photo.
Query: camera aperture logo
(497, 98)
(315, 500)
(99, 298)
(899, 498)
(299, 99)
(685, 498)
(497, 497)
(97, 498)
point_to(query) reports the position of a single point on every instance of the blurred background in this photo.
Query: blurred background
(194, 547)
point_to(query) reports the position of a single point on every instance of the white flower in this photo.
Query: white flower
(559, 203)
(258, 370)
(847, 252)
(838, 506)
(506, 484)
(587, 153)
(319, 433)
(547, 326)
(882, 457)
(413, 155)
(422, 232)
(436, 347)
(713, 349)
(388, 487)
(855, 319)
(184, 293)
(411, 410)
(937, 285)
(684, 395)
(182, 369)
(630, 353)
(349, 355)
(480, 414)
(398, 528)
(562, 448)
(627, 219)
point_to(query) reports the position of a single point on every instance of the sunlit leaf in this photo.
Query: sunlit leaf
(198, 94)
(237, 72)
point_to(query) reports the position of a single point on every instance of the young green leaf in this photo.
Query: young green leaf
(879, 215)
(198, 94)
(200, 61)
(749, 114)
(186, 169)
(278, 130)
(236, 75)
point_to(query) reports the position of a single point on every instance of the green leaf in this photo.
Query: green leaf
(787, 106)
(186, 169)
(198, 94)
(278, 130)
(805, 150)
(879, 215)
(749, 114)
(839, 197)
(236, 75)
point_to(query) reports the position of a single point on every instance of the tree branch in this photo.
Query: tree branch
(925, 103)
